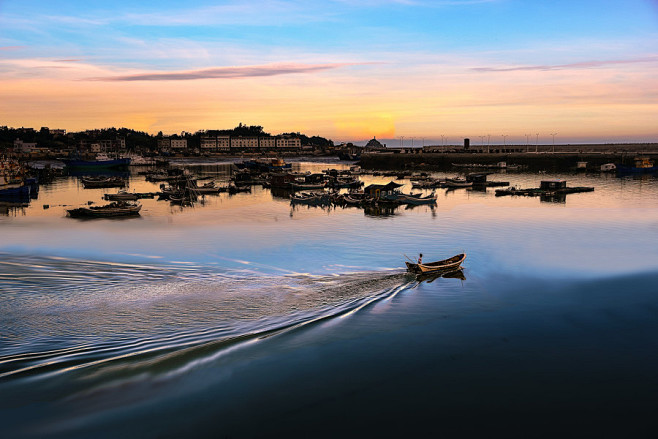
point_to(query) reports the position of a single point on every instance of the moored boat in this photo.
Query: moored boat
(114, 209)
(641, 165)
(102, 182)
(95, 164)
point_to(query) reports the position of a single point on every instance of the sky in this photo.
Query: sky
(403, 71)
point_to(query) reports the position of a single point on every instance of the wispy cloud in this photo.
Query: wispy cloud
(11, 47)
(227, 72)
(578, 65)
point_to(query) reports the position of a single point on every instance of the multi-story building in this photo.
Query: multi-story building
(288, 142)
(178, 144)
(267, 143)
(164, 144)
(24, 147)
(208, 143)
(244, 143)
(223, 143)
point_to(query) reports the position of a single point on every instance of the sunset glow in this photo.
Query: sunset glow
(345, 69)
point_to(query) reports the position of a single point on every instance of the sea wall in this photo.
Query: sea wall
(559, 161)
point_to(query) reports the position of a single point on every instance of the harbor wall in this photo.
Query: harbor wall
(558, 161)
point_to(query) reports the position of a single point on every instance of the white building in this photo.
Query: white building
(178, 144)
(24, 147)
(209, 143)
(267, 142)
(288, 142)
(244, 142)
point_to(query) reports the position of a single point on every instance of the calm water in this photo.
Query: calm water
(244, 317)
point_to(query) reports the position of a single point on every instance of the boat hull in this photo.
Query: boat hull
(96, 164)
(86, 212)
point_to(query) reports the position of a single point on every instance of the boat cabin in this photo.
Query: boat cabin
(477, 178)
(381, 190)
(643, 162)
(283, 180)
(551, 185)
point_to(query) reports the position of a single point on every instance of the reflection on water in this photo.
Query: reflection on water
(431, 277)
(275, 318)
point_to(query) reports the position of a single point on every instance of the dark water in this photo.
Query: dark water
(244, 317)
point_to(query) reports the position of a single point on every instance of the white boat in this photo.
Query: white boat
(608, 167)
(457, 182)
(138, 160)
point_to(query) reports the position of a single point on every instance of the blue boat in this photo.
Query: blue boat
(97, 164)
(642, 165)
(15, 191)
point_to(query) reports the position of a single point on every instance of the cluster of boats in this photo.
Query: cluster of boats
(361, 199)
(16, 183)
(547, 188)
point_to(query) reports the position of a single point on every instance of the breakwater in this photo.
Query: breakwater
(558, 161)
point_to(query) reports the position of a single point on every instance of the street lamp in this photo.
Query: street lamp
(527, 142)
(412, 142)
(553, 134)
(536, 142)
(401, 141)
(488, 141)
(504, 138)
(442, 139)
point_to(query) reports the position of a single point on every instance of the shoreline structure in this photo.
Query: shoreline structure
(547, 157)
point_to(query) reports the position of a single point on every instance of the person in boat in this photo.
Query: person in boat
(420, 258)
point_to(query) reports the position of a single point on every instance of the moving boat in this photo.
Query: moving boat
(449, 264)
(114, 209)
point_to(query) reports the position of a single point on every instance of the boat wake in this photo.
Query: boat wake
(66, 316)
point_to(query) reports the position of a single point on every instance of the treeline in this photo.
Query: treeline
(137, 140)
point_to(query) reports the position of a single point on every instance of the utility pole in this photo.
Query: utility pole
(488, 141)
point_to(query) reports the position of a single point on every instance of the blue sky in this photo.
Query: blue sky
(359, 44)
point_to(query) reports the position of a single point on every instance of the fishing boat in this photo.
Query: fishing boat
(641, 165)
(307, 186)
(449, 264)
(114, 209)
(457, 182)
(102, 182)
(417, 199)
(121, 196)
(101, 162)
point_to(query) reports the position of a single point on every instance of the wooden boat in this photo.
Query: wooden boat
(102, 182)
(307, 186)
(114, 209)
(121, 195)
(417, 200)
(449, 264)
(457, 183)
